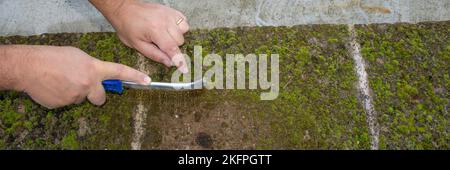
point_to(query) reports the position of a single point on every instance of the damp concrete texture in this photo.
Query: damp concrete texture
(30, 17)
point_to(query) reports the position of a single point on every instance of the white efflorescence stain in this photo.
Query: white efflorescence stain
(363, 87)
(140, 115)
(139, 124)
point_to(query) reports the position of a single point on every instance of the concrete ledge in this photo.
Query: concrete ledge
(30, 17)
(318, 107)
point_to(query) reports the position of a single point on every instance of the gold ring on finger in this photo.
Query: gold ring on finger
(179, 21)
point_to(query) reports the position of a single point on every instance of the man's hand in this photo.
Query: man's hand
(58, 76)
(154, 30)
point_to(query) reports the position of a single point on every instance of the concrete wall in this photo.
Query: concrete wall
(28, 17)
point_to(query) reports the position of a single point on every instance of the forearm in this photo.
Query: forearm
(10, 58)
(110, 8)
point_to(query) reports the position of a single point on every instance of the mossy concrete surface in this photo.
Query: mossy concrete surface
(408, 67)
(317, 108)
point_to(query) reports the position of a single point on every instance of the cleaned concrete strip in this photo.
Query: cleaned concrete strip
(364, 89)
(140, 115)
(29, 17)
(139, 119)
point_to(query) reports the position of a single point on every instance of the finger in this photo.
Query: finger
(180, 62)
(80, 99)
(168, 45)
(184, 25)
(109, 70)
(97, 95)
(176, 34)
(180, 14)
(151, 51)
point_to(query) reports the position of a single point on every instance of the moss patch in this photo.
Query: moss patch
(408, 67)
(317, 107)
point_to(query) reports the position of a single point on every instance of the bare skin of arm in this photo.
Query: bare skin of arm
(58, 76)
(154, 30)
(8, 73)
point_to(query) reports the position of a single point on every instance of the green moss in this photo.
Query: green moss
(107, 47)
(42, 128)
(70, 141)
(408, 72)
(317, 107)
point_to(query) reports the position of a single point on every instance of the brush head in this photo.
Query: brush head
(198, 84)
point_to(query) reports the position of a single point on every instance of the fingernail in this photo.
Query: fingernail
(177, 59)
(183, 69)
(147, 80)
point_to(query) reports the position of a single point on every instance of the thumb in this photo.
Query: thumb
(109, 70)
(97, 95)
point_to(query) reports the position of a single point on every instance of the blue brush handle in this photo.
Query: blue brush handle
(114, 86)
